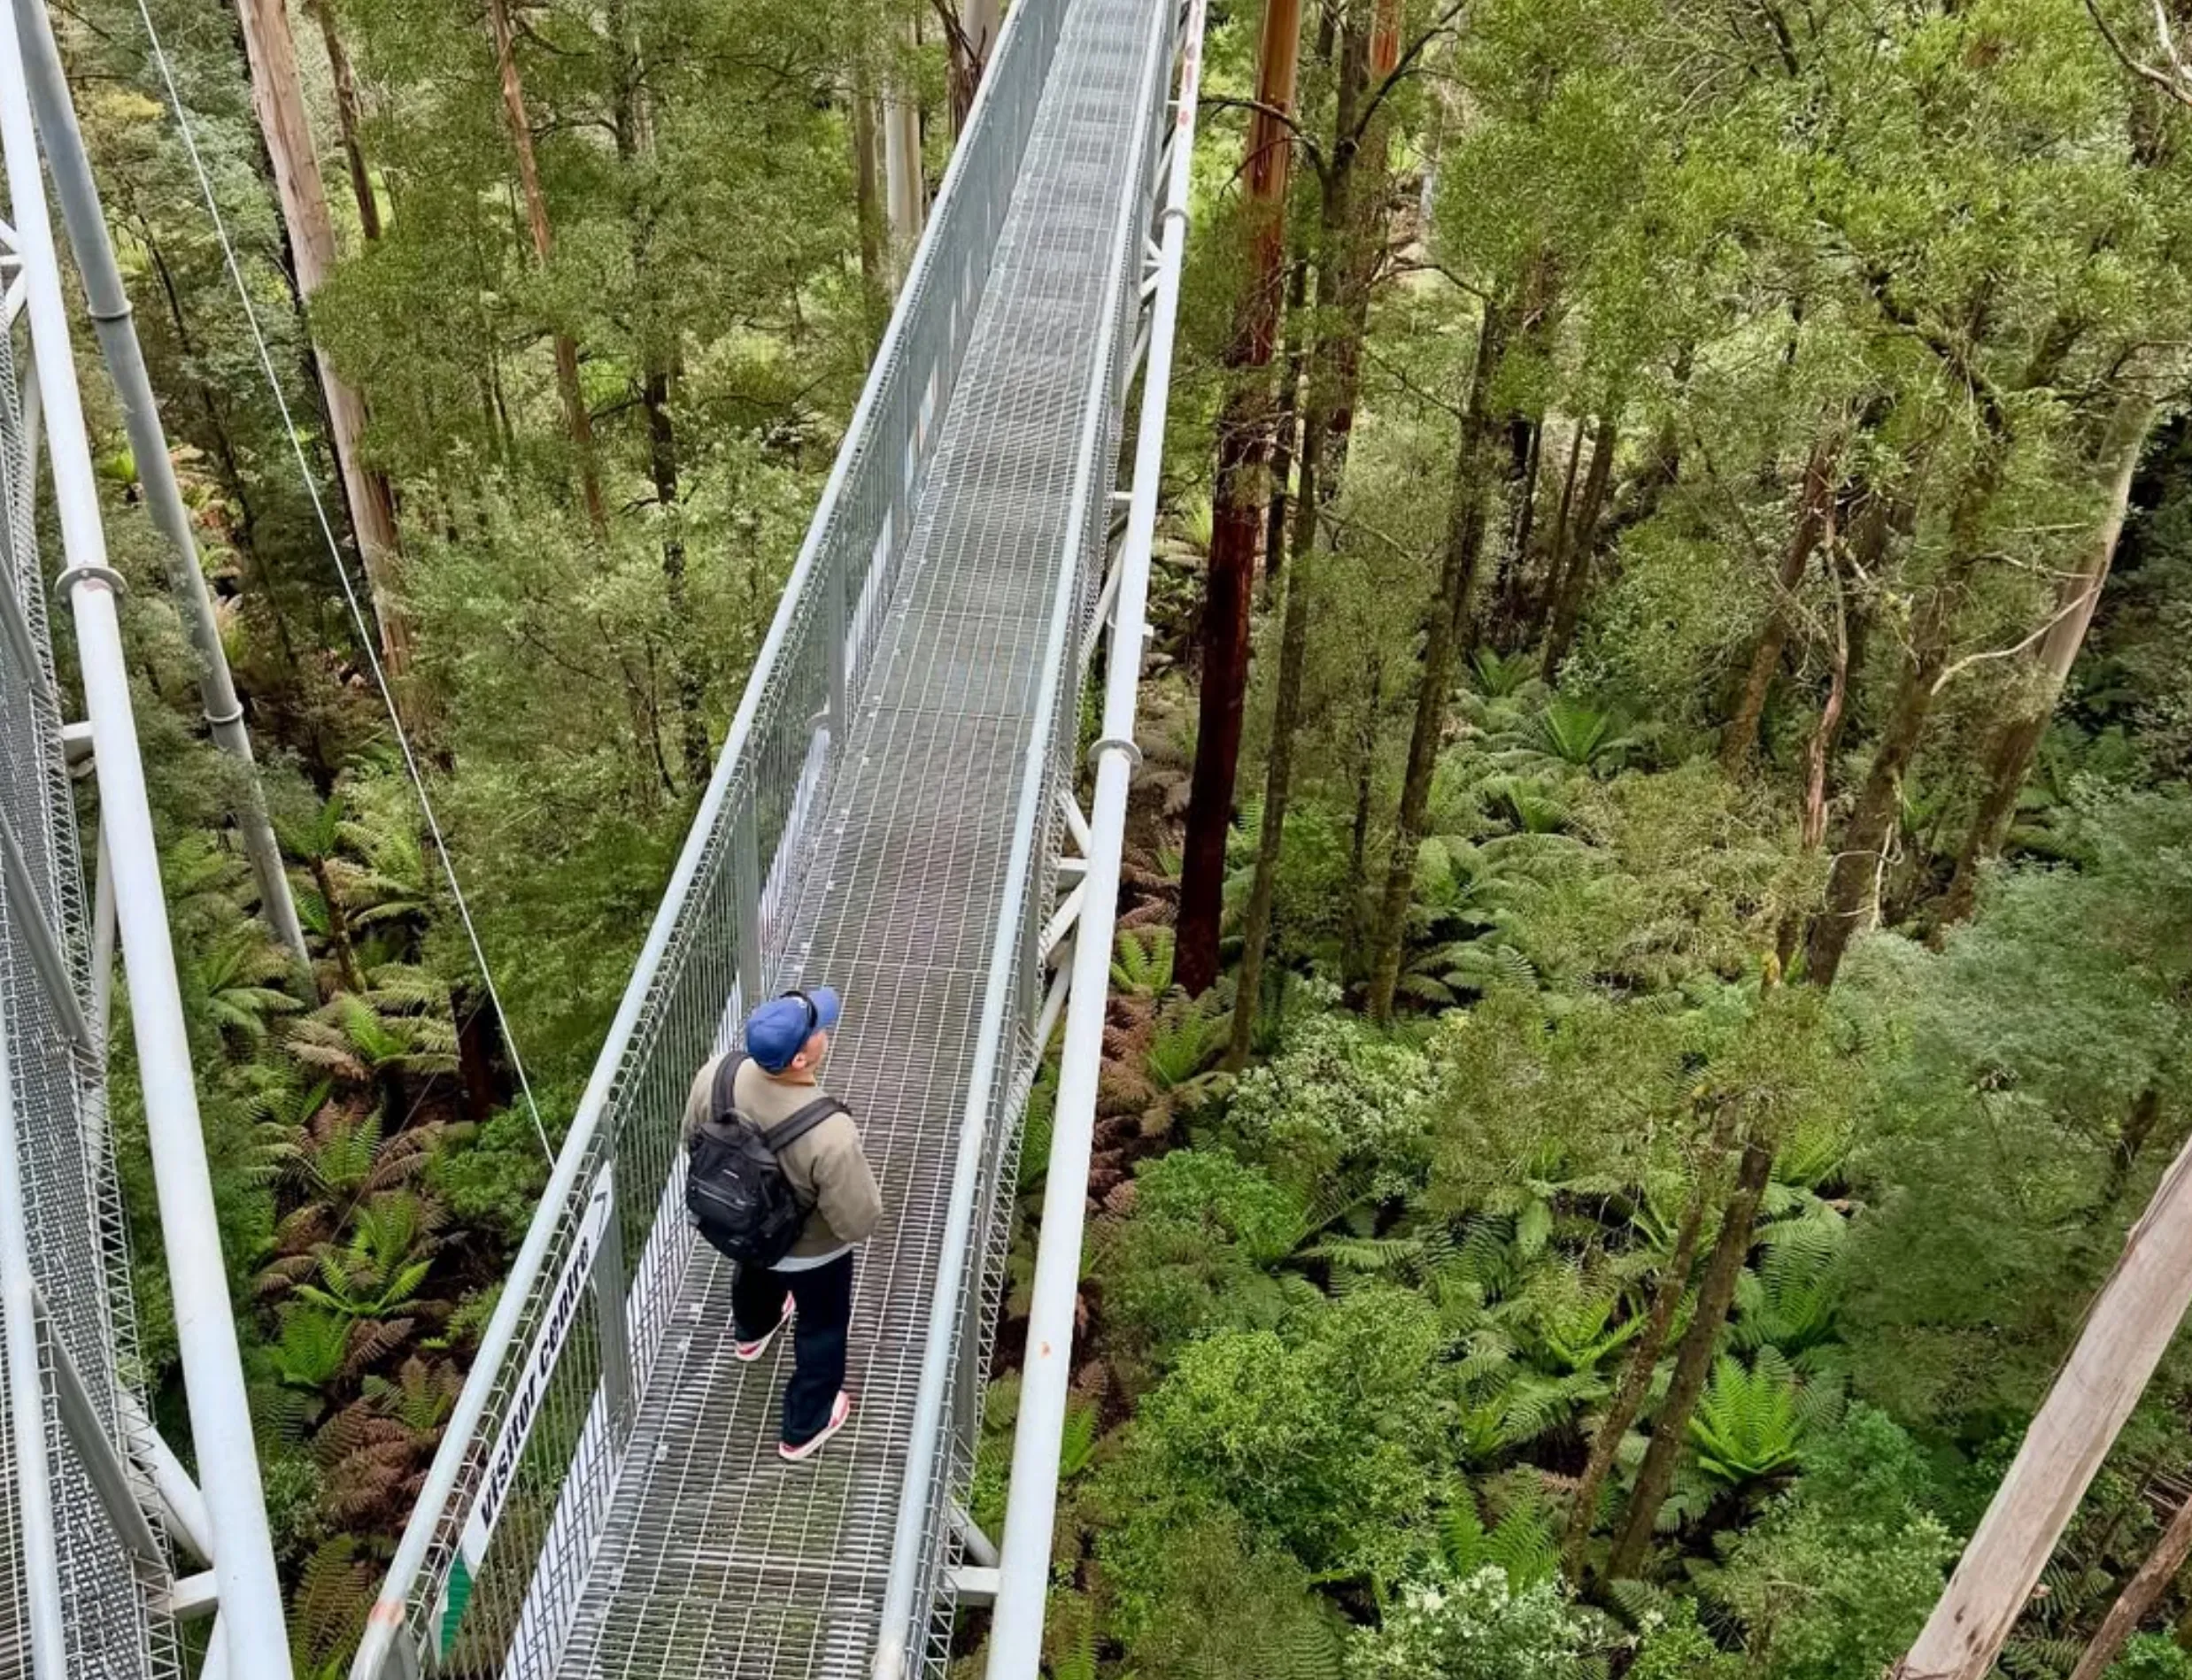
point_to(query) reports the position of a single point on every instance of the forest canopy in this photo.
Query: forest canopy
(1655, 970)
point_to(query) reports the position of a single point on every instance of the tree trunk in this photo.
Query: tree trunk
(2130, 1325)
(2076, 596)
(1820, 750)
(278, 98)
(1813, 512)
(1852, 887)
(905, 192)
(1556, 555)
(1366, 793)
(1237, 506)
(662, 467)
(1468, 508)
(350, 118)
(1370, 238)
(1572, 580)
(1277, 790)
(874, 272)
(1636, 1376)
(657, 356)
(1285, 434)
(576, 417)
(1525, 440)
(2146, 1108)
(1336, 271)
(1692, 1363)
(2138, 1596)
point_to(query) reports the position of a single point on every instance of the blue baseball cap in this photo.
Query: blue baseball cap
(779, 1030)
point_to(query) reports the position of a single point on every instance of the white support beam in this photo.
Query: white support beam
(1061, 923)
(1054, 1000)
(192, 1596)
(973, 1586)
(1077, 825)
(182, 1507)
(37, 1540)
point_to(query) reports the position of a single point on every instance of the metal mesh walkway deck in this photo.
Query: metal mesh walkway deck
(717, 1559)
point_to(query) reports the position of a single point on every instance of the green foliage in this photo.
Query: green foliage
(1327, 1435)
(490, 1176)
(1833, 1583)
(1338, 1095)
(1748, 1423)
(1474, 1627)
(2150, 1656)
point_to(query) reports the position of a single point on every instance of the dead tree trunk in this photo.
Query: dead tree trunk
(278, 98)
(2131, 1323)
(2139, 1597)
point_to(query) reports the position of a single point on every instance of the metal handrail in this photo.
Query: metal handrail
(922, 1493)
(726, 821)
(1025, 1549)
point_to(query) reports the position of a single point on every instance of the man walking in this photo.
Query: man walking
(752, 1116)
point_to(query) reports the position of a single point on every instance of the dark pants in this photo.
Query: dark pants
(824, 1295)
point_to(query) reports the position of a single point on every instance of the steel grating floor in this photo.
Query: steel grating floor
(718, 1559)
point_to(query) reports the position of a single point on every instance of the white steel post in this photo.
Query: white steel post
(117, 333)
(1024, 1577)
(220, 1422)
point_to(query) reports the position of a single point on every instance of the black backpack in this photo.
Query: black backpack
(735, 1189)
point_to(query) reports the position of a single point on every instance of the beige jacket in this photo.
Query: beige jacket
(827, 1169)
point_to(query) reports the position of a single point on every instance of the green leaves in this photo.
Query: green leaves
(1748, 1425)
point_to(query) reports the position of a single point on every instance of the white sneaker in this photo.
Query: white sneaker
(748, 1352)
(840, 1415)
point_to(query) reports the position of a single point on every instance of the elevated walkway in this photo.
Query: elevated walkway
(886, 819)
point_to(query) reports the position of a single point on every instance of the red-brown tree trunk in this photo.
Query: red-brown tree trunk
(1236, 507)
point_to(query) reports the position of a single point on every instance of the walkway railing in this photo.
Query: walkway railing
(963, 1313)
(517, 1491)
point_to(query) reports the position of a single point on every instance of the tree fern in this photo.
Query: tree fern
(1141, 962)
(1748, 1423)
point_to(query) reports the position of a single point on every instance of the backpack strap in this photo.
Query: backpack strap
(795, 1126)
(721, 1104)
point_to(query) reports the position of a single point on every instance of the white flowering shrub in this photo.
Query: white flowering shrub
(1341, 1093)
(1474, 1627)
